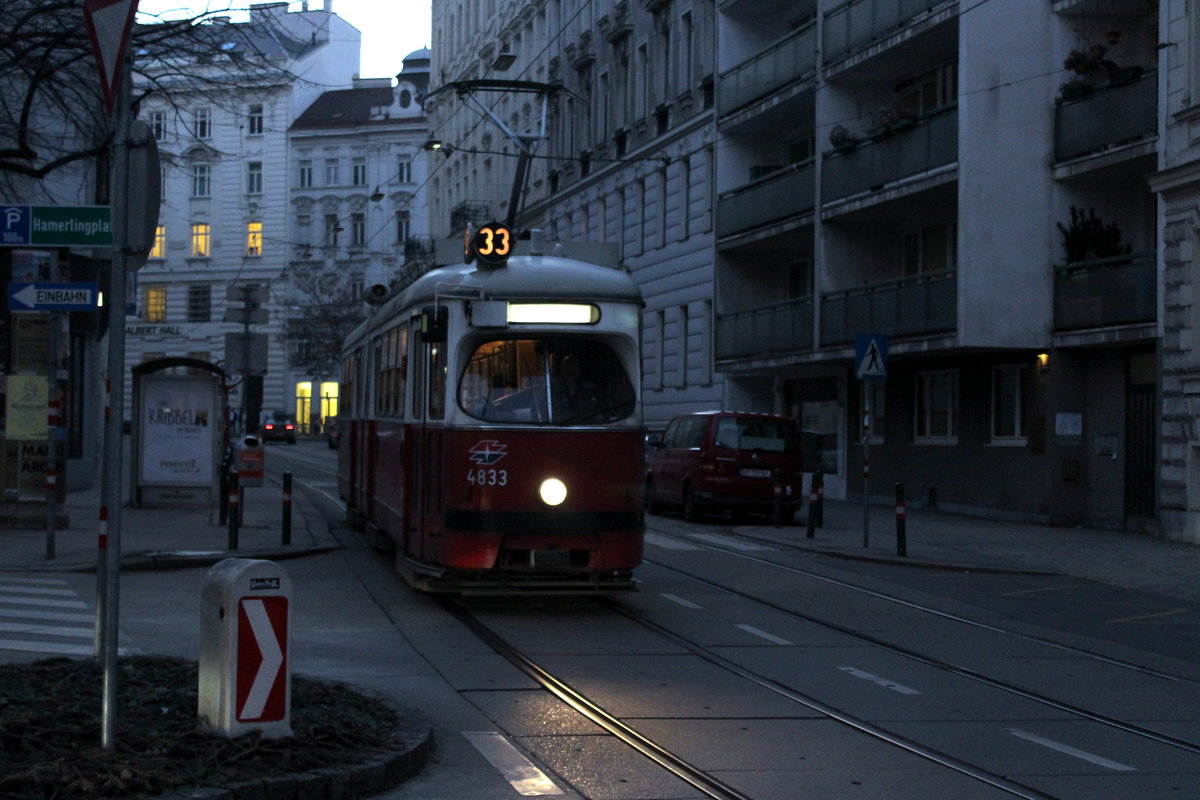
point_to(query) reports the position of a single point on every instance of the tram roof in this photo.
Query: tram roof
(525, 278)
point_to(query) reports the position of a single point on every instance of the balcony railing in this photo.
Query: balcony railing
(776, 328)
(929, 143)
(913, 306)
(854, 24)
(1107, 291)
(785, 61)
(780, 195)
(1106, 117)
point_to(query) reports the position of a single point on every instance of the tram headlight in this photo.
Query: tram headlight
(552, 491)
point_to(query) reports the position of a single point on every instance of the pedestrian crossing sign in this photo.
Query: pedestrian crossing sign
(870, 356)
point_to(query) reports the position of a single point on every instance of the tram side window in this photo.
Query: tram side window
(437, 383)
(547, 382)
(390, 365)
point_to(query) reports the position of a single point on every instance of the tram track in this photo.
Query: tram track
(696, 777)
(935, 663)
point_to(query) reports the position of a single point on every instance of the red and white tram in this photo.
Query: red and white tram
(491, 425)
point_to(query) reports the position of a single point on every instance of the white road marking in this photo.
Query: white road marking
(725, 541)
(770, 637)
(40, 601)
(667, 543)
(674, 598)
(528, 780)
(1142, 618)
(1071, 751)
(45, 630)
(884, 682)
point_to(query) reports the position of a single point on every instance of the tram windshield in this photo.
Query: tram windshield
(546, 382)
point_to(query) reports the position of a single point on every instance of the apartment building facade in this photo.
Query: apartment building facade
(225, 215)
(358, 222)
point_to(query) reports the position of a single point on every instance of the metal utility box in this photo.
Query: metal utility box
(245, 676)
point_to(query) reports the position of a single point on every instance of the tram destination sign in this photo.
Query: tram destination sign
(53, 296)
(55, 226)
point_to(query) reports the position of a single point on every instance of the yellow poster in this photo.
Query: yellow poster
(26, 407)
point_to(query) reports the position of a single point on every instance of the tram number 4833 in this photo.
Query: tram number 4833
(488, 477)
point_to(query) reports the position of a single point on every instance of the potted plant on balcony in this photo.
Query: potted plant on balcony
(1087, 237)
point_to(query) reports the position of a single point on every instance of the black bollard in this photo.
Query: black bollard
(901, 532)
(223, 491)
(812, 508)
(820, 478)
(287, 508)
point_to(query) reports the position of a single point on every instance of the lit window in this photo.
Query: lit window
(935, 408)
(254, 122)
(159, 250)
(156, 304)
(254, 177)
(254, 238)
(1007, 382)
(201, 241)
(202, 123)
(201, 180)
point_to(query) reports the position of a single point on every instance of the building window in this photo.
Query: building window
(358, 229)
(254, 122)
(202, 123)
(403, 225)
(201, 180)
(159, 250)
(199, 308)
(332, 229)
(254, 177)
(155, 304)
(254, 239)
(332, 178)
(930, 249)
(403, 170)
(1007, 383)
(304, 229)
(201, 243)
(358, 169)
(306, 175)
(158, 124)
(936, 407)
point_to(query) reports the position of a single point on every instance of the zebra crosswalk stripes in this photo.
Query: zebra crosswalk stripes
(45, 615)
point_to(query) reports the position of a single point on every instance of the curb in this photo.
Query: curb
(177, 559)
(413, 742)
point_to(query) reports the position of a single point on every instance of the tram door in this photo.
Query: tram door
(423, 498)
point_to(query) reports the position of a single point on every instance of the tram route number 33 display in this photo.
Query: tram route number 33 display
(491, 244)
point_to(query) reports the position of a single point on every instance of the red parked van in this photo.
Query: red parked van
(727, 460)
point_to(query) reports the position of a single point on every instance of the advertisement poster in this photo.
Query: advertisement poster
(177, 415)
(25, 407)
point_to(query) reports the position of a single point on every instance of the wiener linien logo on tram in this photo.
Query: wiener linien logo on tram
(488, 451)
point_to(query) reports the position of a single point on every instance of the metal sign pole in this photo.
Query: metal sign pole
(110, 510)
(866, 464)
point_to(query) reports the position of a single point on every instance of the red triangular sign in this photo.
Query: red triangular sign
(109, 23)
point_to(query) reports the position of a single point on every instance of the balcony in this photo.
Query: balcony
(926, 144)
(1104, 292)
(778, 196)
(860, 22)
(1106, 117)
(918, 305)
(782, 63)
(765, 330)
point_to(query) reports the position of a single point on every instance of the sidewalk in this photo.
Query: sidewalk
(936, 539)
(165, 538)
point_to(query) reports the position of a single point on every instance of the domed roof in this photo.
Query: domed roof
(418, 55)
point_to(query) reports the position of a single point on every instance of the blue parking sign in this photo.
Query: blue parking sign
(14, 225)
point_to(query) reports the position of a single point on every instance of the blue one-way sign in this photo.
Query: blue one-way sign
(53, 296)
